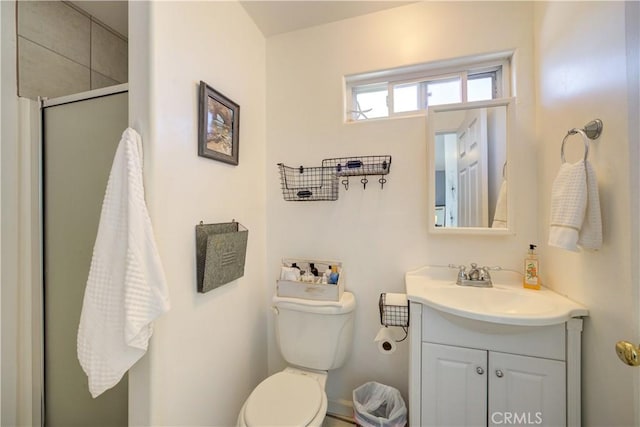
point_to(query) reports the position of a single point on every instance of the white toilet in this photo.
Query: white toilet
(314, 336)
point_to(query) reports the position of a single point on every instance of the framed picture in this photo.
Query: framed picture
(218, 126)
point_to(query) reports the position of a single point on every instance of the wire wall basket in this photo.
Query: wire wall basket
(360, 166)
(304, 184)
(308, 183)
(393, 315)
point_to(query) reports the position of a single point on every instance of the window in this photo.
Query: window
(371, 101)
(408, 90)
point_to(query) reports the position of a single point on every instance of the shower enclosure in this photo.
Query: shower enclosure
(80, 134)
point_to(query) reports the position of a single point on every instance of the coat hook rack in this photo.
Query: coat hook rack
(360, 166)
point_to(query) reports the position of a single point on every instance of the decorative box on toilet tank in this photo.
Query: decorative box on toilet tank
(315, 290)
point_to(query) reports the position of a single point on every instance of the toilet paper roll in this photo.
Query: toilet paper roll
(395, 299)
(385, 341)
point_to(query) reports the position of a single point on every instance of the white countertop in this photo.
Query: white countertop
(507, 302)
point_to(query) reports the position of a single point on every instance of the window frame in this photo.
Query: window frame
(496, 65)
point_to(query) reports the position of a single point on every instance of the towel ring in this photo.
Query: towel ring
(592, 130)
(585, 139)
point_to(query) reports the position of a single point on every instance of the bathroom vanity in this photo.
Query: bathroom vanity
(491, 356)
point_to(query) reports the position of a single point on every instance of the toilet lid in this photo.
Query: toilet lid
(284, 399)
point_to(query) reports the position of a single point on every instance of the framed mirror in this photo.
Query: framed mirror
(468, 154)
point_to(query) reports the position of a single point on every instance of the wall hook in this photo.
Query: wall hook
(345, 182)
(364, 182)
(382, 181)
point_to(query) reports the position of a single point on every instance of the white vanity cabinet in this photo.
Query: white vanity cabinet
(466, 372)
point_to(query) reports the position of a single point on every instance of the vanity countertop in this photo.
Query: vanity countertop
(507, 302)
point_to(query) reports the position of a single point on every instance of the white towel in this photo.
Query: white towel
(126, 289)
(575, 208)
(500, 215)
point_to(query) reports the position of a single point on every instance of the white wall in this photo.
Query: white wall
(581, 75)
(208, 352)
(381, 234)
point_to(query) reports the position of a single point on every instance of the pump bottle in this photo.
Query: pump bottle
(531, 279)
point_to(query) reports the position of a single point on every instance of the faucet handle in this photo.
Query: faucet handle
(462, 272)
(484, 273)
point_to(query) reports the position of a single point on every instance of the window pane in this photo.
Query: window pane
(405, 98)
(371, 104)
(444, 92)
(480, 89)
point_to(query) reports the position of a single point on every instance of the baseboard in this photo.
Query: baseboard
(340, 407)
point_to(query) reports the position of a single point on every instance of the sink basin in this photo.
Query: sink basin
(506, 303)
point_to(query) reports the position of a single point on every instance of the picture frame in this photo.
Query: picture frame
(218, 126)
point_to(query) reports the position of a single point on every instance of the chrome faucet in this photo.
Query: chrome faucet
(477, 276)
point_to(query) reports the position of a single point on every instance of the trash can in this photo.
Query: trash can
(379, 405)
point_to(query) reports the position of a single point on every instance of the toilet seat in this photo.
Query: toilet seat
(284, 399)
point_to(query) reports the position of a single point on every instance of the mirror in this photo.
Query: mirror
(468, 157)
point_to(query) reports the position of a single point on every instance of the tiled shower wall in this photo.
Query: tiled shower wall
(62, 50)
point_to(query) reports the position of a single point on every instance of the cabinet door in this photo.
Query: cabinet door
(526, 390)
(454, 386)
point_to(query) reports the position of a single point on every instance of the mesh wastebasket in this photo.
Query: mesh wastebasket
(379, 405)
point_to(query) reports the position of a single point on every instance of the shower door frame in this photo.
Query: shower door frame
(35, 304)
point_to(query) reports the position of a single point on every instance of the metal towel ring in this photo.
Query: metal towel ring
(585, 138)
(592, 130)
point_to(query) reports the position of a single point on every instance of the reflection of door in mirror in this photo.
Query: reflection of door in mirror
(472, 170)
(470, 155)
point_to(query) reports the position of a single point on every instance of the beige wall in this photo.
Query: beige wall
(581, 68)
(63, 50)
(381, 234)
(208, 352)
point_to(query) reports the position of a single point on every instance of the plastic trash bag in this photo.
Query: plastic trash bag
(379, 405)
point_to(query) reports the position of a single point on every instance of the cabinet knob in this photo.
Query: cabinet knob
(499, 373)
(479, 370)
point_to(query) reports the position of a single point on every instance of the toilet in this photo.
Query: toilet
(314, 337)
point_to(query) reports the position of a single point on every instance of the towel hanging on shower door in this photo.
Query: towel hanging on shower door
(126, 289)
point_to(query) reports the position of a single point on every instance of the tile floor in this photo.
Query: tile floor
(333, 421)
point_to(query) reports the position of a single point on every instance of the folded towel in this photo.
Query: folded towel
(575, 208)
(500, 215)
(126, 289)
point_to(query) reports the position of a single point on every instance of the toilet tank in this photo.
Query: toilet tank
(315, 334)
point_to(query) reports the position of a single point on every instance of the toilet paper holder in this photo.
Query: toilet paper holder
(394, 310)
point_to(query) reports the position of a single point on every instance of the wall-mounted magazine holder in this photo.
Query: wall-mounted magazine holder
(221, 250)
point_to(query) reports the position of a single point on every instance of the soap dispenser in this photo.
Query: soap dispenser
(531, 279)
